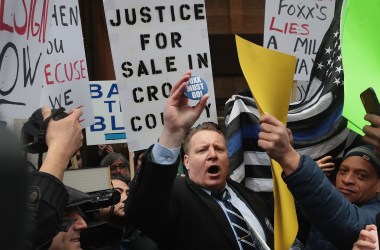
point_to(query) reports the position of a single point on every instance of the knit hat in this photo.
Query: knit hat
(367, 153)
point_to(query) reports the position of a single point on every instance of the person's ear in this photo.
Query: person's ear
(186, 161)
(378, 185)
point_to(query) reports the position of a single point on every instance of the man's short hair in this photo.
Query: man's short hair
(208, 126)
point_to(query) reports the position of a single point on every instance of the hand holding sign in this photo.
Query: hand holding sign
(179, 117)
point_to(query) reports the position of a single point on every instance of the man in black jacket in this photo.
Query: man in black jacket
(47, 194)
(187, 212)
(32, 225)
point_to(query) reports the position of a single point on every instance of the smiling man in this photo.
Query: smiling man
(203, 210)
(70, 239)
(72, 224)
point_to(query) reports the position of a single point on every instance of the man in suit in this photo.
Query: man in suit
(184, 212)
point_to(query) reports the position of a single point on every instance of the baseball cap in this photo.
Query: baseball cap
(76, 197)
(87, 205)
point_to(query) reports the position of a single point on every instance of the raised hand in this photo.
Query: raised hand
(372, 133)
(63, 138)
(179, 117)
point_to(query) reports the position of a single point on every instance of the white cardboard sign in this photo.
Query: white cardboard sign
(108, 127)
(24, 29)
(153, 43)
(296, 27)
(65, 71)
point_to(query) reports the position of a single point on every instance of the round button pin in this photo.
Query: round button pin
(196, 88)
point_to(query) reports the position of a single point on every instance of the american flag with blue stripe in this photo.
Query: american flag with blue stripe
(316, 120)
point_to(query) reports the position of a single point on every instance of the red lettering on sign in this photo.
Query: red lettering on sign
(291, 28)
(28, 23)
(66, 72)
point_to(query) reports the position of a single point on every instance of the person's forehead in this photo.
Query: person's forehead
(358, 163)
(119, 184)
(206, 135)
(118, 160)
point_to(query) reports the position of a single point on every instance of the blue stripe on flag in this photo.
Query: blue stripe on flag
(250, 131)
(247, 131)
(234, 143)
(321, 128)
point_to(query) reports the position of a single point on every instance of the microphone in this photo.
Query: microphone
(378, 228)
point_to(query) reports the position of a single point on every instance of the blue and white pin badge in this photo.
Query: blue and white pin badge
(196, 88)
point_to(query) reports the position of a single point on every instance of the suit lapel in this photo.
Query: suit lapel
(217, 212)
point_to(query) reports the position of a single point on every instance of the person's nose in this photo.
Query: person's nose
(118, 170)
(348, 178)
(123, 197)
(212, 155)
(80, 224)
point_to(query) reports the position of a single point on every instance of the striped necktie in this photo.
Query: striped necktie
(246, 239)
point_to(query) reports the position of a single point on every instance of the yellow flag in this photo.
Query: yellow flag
(270, 78)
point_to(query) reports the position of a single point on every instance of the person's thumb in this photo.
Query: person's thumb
(46, 112)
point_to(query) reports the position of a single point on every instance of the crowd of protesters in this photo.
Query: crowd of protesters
(161, 208)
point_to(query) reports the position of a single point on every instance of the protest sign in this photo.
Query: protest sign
(297, 28)
(153, 43)
(65, 82)
(108, 127)
(24, 26)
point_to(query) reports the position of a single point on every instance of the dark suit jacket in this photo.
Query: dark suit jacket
(178, 214)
